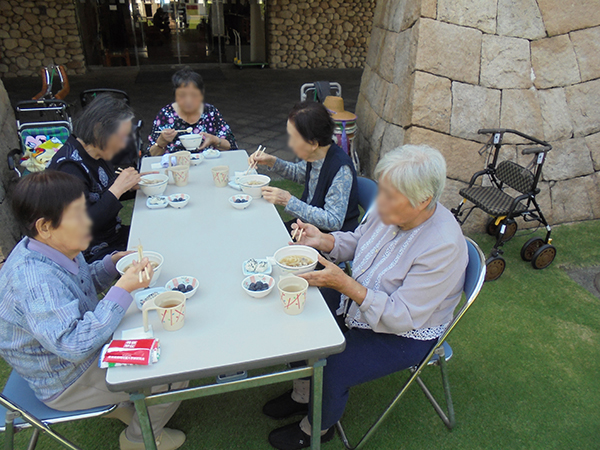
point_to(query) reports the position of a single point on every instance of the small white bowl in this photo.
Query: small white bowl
(157, 202)
(299, 250)
(254, 278)
(187, 281)
(196, 159)
(179, 204)
(155, 257)
(190, 141)
(255, 190)
(154, 188)
(211, 153)
(244, 205)
(144, 295)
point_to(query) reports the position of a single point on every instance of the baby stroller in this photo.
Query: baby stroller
(504, 208)
(43, 126)
(130, 157)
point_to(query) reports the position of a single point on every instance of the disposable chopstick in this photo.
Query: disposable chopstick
(254, 164)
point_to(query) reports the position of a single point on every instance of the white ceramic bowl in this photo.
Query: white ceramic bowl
(254, 278)
(154, 188)
(196, 159)
(157, 202)
(152, 256)
(185, 197)
(296, 250)
(243, 205)
(190, 141)
(211, 153)
(188, 281)
(255, 190)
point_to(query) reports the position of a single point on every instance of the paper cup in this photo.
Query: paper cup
(183, 158)
(170, 307)
(292, 291)
(220, 175)
(181, 174)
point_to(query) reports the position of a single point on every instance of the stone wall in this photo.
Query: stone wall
(439, 70)
(9, 233)
(37, 33)
(310, 33)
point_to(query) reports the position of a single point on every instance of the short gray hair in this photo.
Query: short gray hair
(101, 119)
(417, 171)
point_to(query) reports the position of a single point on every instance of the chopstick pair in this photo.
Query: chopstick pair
(297, 234)
(259, 152)
(140, 257)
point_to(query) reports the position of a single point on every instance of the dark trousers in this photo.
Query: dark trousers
(117, 244)
(368, 356)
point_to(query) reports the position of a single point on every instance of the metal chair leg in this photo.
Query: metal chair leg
(449, 419)
(9, 434)
(34, 439)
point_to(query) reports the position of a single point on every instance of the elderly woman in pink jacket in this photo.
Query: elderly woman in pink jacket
(409, 259)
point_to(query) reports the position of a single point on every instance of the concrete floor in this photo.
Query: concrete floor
(254, 102)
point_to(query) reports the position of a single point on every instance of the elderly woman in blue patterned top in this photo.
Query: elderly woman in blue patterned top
(52, 325)
(409, 259)
(330, 197)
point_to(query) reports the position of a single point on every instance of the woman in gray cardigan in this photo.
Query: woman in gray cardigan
(409, 259)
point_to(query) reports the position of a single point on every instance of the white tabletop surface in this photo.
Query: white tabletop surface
(225, 330)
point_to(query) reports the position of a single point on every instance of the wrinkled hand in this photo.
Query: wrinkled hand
(311, 235)
(209, 140)
(126, 180)
(331, 276)
(115, 257)
(263, 159)
(168, 134)
(276, 196)
(130, 281)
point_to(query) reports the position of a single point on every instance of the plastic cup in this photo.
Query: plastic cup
(183, 158)
(170, 307)
(292, 291)
(181, 174)
(220, 175)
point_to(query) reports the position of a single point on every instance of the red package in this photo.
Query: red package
(134, 351)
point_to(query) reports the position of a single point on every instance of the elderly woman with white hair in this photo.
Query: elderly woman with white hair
(409, 259)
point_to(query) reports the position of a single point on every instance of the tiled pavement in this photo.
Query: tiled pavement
(254, 102)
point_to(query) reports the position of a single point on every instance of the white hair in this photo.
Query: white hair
(417, 171)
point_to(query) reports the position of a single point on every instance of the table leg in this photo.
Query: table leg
(317, 401)
(141, 409)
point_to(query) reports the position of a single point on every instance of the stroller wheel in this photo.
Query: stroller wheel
(543, 256)
(530, 247)
(510, 230)
(491, 228)
(495, 266)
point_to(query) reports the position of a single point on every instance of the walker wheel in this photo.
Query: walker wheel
(491, 228)
(543, 256)
(495, 266)
(530, 247)
(510, 230)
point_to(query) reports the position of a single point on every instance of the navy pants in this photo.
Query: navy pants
(368, 356)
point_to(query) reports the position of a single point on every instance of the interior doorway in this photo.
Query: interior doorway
(151, 32)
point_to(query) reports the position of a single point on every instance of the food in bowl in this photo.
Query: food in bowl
(240, 200)
(155, 258)
(258, 286)
(211, 153)
(296, 261)
(153, 184)
(185, 284)
(153, 264)
(256, 267)
(253, 184)
(157, 202)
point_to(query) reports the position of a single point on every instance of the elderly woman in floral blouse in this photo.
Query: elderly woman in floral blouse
(409, 259)
(189, 110)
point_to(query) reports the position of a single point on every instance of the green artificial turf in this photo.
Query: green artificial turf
(524, 374)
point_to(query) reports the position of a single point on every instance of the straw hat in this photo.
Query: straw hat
(335, 105)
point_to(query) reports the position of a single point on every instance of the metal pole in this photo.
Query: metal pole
(139, 401)
(176, 7)
(317, 402)
(137, 58)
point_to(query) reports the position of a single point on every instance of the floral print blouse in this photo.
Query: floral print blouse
(211, 121)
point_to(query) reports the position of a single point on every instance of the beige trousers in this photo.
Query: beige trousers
(90, 391)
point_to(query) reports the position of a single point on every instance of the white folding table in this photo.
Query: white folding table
(225, 330)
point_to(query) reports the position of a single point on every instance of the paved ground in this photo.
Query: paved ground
(254, 102)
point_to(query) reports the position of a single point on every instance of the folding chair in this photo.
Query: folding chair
(20, 409)
(439, 354)
(319, 90)
(367, 191)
